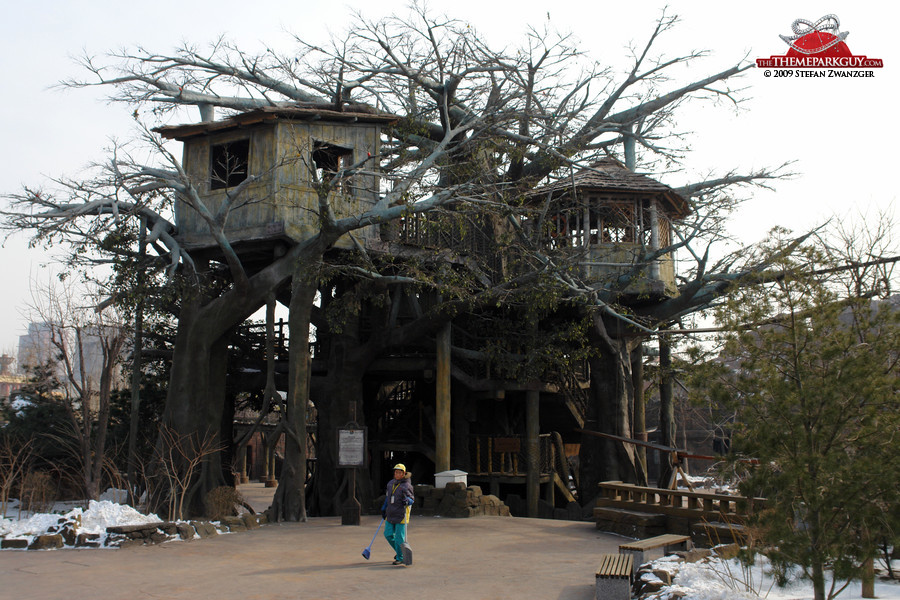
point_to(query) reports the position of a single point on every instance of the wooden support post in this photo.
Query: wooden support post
(242, 466)
(271, 481)
(442, 402)
(640, 411)
(264, 476)
(350, 515)
(532, 442)
(666, 414)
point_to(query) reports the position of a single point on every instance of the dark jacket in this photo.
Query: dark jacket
(398, 495)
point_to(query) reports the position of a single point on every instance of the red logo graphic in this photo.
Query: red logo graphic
(818, 45)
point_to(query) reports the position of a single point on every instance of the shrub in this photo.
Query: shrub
(222, 502)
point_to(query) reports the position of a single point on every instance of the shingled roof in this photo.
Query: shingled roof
(325, 112)
(609, 175)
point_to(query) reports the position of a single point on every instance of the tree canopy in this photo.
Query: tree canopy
(810, 371)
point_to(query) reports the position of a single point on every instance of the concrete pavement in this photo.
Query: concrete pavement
(478, 558)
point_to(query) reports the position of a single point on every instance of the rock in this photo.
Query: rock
(13, 544)
(127, 529)
(648, 587)
(694, 555)
(158, 537)
(87, 540)
(454, 486)
(663, 575)
(726, 551)
(47, 542)
(205, 529)
(234, 524)
(68, 534)
(250, 521)
(475, 490)
(169, 528)
(185, 531)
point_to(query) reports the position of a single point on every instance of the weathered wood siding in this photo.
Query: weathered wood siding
(284, 202)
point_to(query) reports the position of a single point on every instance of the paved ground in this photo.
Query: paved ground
(477, 558)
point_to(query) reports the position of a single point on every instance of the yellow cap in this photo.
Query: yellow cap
(400, 466)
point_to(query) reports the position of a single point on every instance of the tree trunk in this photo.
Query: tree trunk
(607, 412)
(818, 580)
(290, 498)
(189, 407)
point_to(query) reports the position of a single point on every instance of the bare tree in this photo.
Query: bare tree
(86, 348)
(180, 457)
(14, 458)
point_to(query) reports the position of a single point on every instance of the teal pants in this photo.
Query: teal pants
(395, 534)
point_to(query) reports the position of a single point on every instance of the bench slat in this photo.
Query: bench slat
(669, 539)
(616, 565)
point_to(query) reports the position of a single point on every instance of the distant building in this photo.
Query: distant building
(36, 348)
(9, 380)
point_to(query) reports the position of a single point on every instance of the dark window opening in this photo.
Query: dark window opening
(229, 164)
(329, 159)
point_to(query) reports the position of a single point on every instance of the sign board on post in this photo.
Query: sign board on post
(351, 447)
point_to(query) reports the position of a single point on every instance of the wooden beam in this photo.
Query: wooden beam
(532, 445)
(442, 401)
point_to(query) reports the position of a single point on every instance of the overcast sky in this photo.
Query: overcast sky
(842, 132)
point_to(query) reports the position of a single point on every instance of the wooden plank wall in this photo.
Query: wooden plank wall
(285, 196)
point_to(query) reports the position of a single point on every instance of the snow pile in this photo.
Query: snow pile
(98, 516)
(718, 579)
(103, 514)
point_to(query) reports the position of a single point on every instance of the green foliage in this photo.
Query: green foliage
(813, 385)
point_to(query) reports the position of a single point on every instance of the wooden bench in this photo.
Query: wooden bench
(613, 579)
(668, 542)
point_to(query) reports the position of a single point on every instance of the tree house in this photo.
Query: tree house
(290, 150)
(611, 220)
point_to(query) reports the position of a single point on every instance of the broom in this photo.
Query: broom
(367, 552)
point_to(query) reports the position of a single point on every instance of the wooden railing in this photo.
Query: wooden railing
(680, 503)
(508, 456)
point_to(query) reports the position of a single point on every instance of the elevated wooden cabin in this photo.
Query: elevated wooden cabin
(611, 218)
(289, 149)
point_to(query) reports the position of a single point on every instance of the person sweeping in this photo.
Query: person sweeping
(398, 501)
